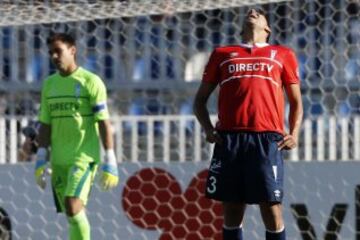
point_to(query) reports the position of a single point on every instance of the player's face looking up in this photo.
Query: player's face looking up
(62, 55)
(256, 21)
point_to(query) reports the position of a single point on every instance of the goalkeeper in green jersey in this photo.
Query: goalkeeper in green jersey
(73, 117)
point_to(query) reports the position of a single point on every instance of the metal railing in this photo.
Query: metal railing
(179, 138)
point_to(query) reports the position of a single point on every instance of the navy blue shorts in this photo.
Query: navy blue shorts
(246, 167)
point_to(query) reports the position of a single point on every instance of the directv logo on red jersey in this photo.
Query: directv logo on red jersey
(241, 67)
(251, 81)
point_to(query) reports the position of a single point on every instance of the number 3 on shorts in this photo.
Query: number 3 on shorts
(212, 185)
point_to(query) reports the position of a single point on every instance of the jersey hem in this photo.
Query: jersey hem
(251, 130)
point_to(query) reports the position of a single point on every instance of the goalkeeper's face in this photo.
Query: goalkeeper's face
(62, 55)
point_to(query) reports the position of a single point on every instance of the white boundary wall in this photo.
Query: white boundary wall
(179, 138)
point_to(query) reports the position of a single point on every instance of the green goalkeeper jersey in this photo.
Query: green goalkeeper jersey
(72, 105)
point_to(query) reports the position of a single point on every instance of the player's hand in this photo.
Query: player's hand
(109, 171)
(41, 168)
(212, 136)
(288, 142)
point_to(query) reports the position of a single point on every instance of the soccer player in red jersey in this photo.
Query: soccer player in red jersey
(249, 137)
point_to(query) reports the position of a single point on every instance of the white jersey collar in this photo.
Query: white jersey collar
(259, 45)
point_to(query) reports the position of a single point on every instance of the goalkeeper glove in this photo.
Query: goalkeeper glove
(109, 171)
(41, 168)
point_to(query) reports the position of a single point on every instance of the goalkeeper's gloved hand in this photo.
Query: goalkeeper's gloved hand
(109, 171)
(41, 167)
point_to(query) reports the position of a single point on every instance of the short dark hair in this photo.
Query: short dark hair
(63, 37)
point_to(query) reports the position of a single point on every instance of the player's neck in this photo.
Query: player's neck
(253, 38)
(66, 72)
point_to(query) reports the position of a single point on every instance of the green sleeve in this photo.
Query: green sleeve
(44, 115)
(98, 99)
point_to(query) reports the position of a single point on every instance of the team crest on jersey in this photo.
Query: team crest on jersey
(297, 73)
(273, 54)
(77, 90)
(52, 91)
(234, 54)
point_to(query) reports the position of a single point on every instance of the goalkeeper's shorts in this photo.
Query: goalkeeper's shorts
(72, 181)
(246, 168)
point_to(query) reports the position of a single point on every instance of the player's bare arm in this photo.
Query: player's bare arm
(202, 114)
(43, 138)
(295, 117)
(109, 178)
(105, 130)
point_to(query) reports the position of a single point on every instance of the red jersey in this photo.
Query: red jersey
(251, 81)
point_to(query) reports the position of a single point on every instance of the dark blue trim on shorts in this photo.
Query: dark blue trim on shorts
(57, 202)
(82, 181)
